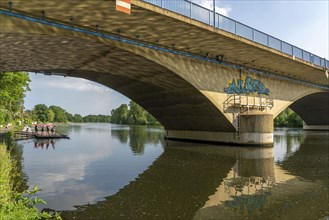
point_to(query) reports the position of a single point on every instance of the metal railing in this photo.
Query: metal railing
(246, 102)
(199, 13)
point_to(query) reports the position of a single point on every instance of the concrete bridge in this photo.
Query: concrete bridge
(202, 80)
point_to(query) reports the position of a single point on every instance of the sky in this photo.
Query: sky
(304, 24)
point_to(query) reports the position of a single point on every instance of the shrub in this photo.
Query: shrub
(14, 205)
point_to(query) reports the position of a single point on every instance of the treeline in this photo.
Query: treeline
(289, 119)
(13, 86)
(125, 114)
(41, 113)
(132, 114)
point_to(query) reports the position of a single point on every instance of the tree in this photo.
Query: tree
(288, 118)
(151, 120)
(60, 114)
(51, 115)
(27, 116)
(13, 86)
(40, 113)
(77, 118)
(97, 118)
(69, 116)
(120, 115)
(136, 115)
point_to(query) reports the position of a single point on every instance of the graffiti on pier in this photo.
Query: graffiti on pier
(247, 86)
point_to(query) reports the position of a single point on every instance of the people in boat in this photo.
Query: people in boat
(48, 129)
(53, 129)
(36, 128)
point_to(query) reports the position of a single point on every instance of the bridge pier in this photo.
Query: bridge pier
(256, 128)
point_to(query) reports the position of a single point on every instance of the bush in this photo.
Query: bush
(14, 205)
(8, 138)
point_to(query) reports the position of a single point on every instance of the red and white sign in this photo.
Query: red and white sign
(123, 6)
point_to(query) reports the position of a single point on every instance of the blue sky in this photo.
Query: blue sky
(301, 23)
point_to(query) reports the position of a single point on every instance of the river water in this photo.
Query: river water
(130, 172)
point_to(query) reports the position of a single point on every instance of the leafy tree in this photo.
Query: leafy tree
(151, 120)
(97, 118)
(90, 118)
(77, 118)
(5, 116)
(136, 115)
(120, 115)
(40, 113)
(27, 118)
(51, 115)
(13, 86)
(60, 114)
(288, 118)
(69, 116)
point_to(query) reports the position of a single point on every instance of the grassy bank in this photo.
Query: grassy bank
(14, 205)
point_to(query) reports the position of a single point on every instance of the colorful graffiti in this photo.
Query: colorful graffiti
(248, 86)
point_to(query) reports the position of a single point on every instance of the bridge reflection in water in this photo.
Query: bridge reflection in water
(198, 181)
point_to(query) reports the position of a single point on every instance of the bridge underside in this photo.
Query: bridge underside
(169, 98)
(314, 110)
(185, 94)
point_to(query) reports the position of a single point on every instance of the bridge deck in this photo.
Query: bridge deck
(153, 24)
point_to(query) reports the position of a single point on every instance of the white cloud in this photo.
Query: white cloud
(209, 4)
(64, 180)
(75, 95)
(52, 82)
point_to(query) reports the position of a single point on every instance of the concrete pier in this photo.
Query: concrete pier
(256, 128)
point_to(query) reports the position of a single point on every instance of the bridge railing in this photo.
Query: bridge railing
(199, 13)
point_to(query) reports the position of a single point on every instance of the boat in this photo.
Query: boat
(51, 136)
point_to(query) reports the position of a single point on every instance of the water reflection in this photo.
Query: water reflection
(20, 180)
(44, 143)
(298, 190)
(194, 181)
(182, 180)
(311, 160)
(287, 142)
(140, 180)
(246, 186)
(137, 137)
(86, 168)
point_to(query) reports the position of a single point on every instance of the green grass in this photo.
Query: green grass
(14, 205)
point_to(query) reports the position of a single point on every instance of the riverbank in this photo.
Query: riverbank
(15, 205)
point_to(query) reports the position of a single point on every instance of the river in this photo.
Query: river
(107, 171)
